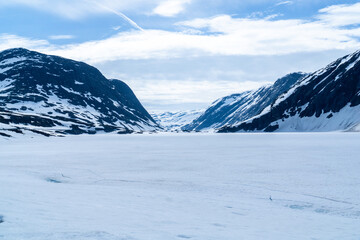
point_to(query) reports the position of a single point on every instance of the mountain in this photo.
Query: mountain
(52, 95)
(236, 108)
(173, 121)
(326, 100)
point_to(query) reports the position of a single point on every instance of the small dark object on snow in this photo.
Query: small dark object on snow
(270, 198)
(1, 219)
(52, 180)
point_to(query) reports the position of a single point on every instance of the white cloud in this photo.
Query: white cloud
(61, 37)
(228, 36)
(120, 14)
(12, 41)
(284, 3)
(225, 35)
(116, 28)
(184, 91)
(170, 8)
(341, 15)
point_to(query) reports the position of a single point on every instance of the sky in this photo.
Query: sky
(184, 54)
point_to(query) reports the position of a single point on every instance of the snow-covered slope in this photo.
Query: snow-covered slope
(327, 100)
(53, 95)
(173, 121)
(236, 108)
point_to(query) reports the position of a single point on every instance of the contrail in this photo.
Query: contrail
(120, 14)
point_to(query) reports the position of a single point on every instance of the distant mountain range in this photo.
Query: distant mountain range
(236, 108)
(51, 95)
(174, 121)
(326, 100)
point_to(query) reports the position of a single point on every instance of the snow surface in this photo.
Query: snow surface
(10, 61)
(184, 186)
(345, 119)
(6, 84)
(2, 70)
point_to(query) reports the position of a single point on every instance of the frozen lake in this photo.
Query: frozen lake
(185, 186)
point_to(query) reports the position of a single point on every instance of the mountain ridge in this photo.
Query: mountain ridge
(56, 95)
(238, 107)
(326, 100)
(174, 121)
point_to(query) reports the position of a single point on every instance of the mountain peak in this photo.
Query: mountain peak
(65, 96)
(326, 100)
(239, 107)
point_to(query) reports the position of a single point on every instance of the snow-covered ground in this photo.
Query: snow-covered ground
(184, 186)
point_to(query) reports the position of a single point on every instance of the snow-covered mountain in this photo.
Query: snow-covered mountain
(53, 95)
(326, 100)
(173, 121)
(236, 108)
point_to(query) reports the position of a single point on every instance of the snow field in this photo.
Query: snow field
(183, 186)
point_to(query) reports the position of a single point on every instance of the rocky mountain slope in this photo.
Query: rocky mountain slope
(236, 108)
(326, 100)
(52, 95)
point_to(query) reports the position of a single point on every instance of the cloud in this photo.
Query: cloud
(225, 35)
(171, 8)
(341, 15)
(271, 37)
(116, 28)
(120, 14)
(61, 37)
(284, 3)
(222, 35)
(185, 91)
(191, 83)
(12, 41)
